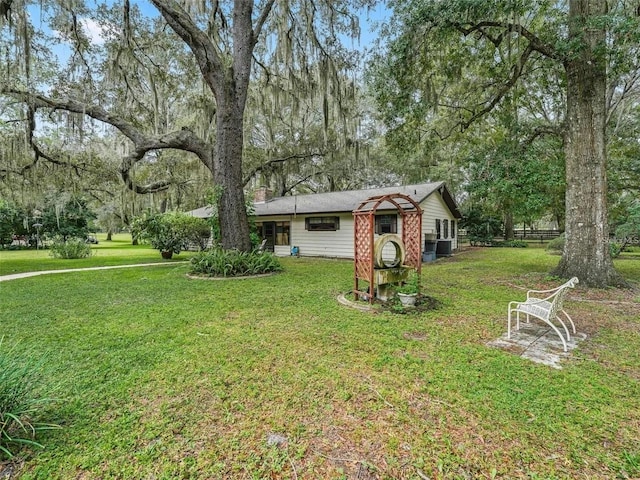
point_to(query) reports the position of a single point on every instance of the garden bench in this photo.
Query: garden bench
(545, 305)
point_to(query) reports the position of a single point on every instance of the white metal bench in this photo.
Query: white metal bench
(545, 305)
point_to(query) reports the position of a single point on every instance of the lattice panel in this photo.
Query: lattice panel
(412, 238)
(363, 246)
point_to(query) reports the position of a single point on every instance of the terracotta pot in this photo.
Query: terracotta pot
(167, 255)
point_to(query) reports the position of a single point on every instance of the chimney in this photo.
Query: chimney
(262, 195)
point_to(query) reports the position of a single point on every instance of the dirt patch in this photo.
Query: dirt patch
(419, 336)
(10, 469)
(424, 303)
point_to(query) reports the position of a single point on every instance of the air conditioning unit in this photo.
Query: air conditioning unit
(443, 248)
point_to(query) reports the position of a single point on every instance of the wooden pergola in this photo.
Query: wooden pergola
(364, 229)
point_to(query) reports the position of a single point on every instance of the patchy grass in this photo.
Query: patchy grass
(166, 377)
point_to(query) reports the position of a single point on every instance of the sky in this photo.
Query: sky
(369, 19)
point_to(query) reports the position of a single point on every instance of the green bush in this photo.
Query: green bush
(615, 249)
(11, 222)
(172, 231)
(70, 248)
(66, 216)
(20, 399)
(481, 227)
(557, 244)
(511, 244)
(217, 262)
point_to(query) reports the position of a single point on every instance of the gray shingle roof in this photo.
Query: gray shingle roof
(335, 202)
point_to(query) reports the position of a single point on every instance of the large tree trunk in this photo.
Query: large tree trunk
(232, 211)
(586, 252)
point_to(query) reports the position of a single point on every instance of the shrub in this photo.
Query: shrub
(615, 249)
(172, 231)
(11, 222)
(217, 262)
(511, 244)
(557, 244)
(70, 248)
(20, 383)
(67, 216)
(481, 227)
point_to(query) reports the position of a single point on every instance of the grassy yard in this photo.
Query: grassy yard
(119, 251)
(160, 376)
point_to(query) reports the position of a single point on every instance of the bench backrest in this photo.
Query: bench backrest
(556, 304)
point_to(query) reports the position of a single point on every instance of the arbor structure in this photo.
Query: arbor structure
(454, 63)
(184, 89)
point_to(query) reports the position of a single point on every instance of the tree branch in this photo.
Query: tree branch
(535, 43)
(302, 180)
(5, 8)
(539, 132)
(208, 58)
(183, 139)
(262, 19)
(516, 73)
(270, 163)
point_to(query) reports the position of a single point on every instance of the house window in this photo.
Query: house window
(276, 233)
(445, 228)
(282, 233)
(386, 224)
(453, 229)
(437, 228)
(322, 224)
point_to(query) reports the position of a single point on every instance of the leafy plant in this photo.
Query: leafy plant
(69, 248)
(481, 227)
(217, 262)
(557, 244)
(411, 286)
(615, 249)
(67, 216)
(511, 244)
(629, 231)
(172, 231)
(11, 222)
(20, 400)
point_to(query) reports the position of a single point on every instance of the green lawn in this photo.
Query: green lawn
(160, 376)
(119, 251)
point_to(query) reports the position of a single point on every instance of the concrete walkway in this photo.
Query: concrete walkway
(14, 276)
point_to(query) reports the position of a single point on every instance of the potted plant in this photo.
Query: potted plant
(408, 291)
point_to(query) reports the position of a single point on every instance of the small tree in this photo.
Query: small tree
(67, 218)
(481, 227)
(629, 231)
(171, 232)
(11, 222)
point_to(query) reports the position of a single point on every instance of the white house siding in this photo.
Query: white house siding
(434, 208)
(339, 243)
(282, 250)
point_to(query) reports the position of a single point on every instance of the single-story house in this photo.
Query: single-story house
(322, 224)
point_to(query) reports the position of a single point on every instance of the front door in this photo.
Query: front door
(269, 232)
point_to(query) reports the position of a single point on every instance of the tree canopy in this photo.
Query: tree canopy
(561, 69)
(141, 89)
